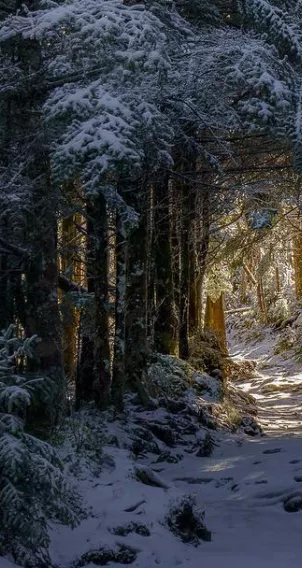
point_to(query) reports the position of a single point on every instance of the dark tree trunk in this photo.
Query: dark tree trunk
(150, 267)
(118, 371)
(136, 351)
(165, 338)
(184, 275)
(194, 296)
(175, 208)
(42, 312)
(99, 271)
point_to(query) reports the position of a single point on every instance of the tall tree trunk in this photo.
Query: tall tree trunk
(119, 367)
(215, 320)
(150, 266)
(136, 350)
(297, 261)
(204, 239)
(261, 302)
(195, 280)
(175, 208)
(42, 312)
(278, 279)
(85, 366)
(99, 271)
(184, 275)
(68, 311)
(165, 323)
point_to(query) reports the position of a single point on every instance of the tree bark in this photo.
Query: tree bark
(136, 350)
(119, 367)
(165, 333)
(184, 276)
(297, 262)
(99, 272)
(215, 320)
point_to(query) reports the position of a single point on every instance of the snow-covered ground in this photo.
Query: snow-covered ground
(249, 488)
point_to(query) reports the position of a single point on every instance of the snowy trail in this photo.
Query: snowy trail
(254, 478)
(245, 488)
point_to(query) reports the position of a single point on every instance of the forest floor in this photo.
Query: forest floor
(250, 487)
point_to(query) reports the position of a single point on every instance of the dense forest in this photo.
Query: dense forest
(150, 204)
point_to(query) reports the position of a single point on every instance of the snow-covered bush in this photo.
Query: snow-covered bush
(33, 489)
(286, 341)
(168, 376)
(279, 311)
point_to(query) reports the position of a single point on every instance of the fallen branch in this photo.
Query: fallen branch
(238, 310)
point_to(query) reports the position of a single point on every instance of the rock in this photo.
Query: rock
(112, 441)
(149, 477)
(293, 504)
(205, 418)
(163, 433)
(186, 521)
(103, 556)
(140, 446)
(175, 406)
(206, 447)
(250, 426)
(298, 478)
(168, 457)
(138, 528)
(217, 374)
(250, 431)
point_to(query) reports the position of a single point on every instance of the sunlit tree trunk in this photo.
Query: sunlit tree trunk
(278, 279)
(297, 262)
(261, 302)
(243, 287)
(215, 320)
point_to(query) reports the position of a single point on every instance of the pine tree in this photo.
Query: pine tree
(33, 489)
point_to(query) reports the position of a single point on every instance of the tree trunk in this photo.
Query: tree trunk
(175, 207)
(136, 351)
(165, 323)
(68, 311)
(278, 279)
(215, 320)
(99, 271)
(42, 312)
(204, 241)
(119, 368)
(195, 281)
(184, 276)
(85, 366)
(297, 261)
(261, 302)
